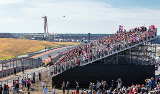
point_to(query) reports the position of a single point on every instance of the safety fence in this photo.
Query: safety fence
(13, 66)
(28, 74)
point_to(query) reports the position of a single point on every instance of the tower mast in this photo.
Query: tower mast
(45, 27)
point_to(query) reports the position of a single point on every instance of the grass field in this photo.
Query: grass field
(10, 48)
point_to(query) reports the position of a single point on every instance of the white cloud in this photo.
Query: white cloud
(81, 17)
(5, 2)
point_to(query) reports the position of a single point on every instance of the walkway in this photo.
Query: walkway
(37, 87)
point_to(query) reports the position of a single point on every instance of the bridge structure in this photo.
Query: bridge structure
(127, 55)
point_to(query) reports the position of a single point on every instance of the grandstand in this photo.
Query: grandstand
(129, 55)
(126, 54)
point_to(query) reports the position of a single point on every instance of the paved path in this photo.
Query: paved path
(53, 52)
(37, 88)
(28, 73)
(21, 74)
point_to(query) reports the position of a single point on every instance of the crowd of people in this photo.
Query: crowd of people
(19, 85)
(4, 89)
(104, 46)
(151, 86)
(98, 48)
(24, 83)
(16, 87)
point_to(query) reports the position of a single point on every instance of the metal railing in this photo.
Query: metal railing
(13, 66)
(27, 74)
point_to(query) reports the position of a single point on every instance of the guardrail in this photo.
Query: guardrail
(104, 55)
(13, 66)
(27, 74)
(18, 65)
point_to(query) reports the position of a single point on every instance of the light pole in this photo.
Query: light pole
(89, 37)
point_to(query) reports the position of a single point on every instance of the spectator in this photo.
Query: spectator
(15, 71)
(119, 83)
(98, 85)
(63, 87)
(67, 87)
(153, 83)
(77, 87)
(17, 86)
(23, 83)
(34, 79)
(1, 89)
(43, 84)
(5, 89)
(45, 90)
(39, 74)
(53, 91)
(28, 84)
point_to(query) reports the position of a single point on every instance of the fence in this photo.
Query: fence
(13, 66)
(27, 74)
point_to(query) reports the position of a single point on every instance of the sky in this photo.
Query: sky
(77, 16)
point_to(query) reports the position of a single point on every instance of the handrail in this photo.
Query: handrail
(119, 51)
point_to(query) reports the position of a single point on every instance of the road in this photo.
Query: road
(53, 52)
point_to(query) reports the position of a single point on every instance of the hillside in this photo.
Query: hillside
(10, 48)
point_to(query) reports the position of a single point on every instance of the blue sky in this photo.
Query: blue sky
(82, 16)
(153, 4)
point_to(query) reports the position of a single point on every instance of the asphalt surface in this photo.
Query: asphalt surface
(53, 52)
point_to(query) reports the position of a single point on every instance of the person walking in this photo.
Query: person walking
(28, 84)
(39, 76)
(119, 83)
(15, 72)
(1, 89)
(34, 77)
(43, 84)
(23, 83)
(6, 89)
(17, 86)
(53, 90)
(63, 87)
(67, 86)
(45, 90)
(77, 87)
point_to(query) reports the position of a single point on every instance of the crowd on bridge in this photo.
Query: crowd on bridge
(102, 47)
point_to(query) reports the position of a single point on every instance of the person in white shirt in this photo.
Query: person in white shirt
(53, 91)
(43, 84)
